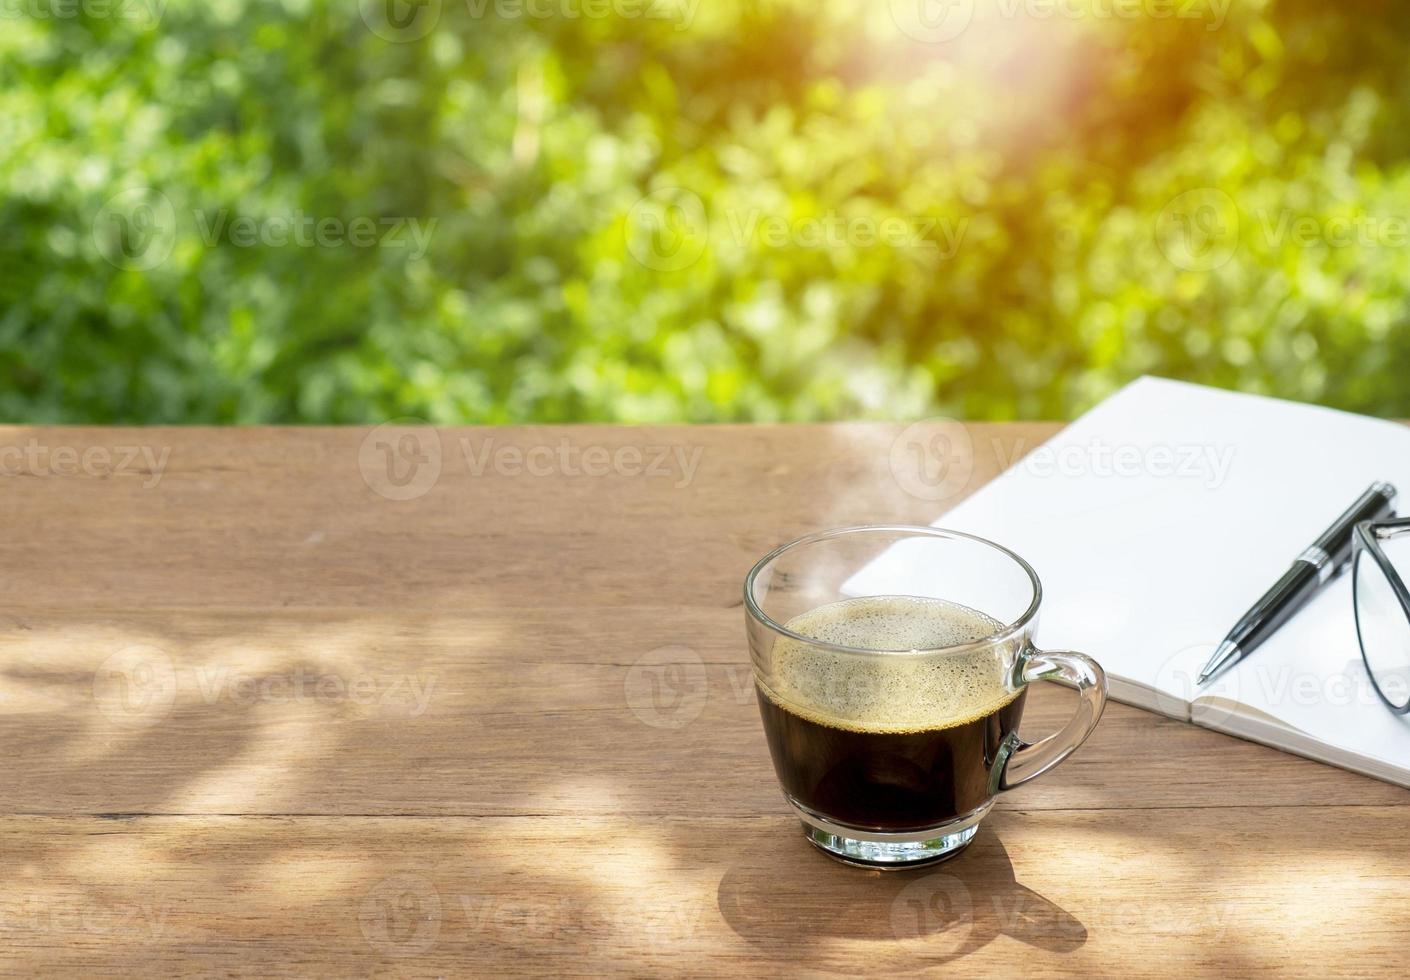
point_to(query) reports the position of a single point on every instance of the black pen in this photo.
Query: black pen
(1314, 568)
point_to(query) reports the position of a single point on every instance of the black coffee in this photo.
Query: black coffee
(888, 743)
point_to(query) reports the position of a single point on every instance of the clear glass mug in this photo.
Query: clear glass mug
(891, 757)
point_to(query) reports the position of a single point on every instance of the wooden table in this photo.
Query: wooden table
(273, 707)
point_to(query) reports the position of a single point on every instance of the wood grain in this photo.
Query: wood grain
(1041, 892)
(263, 717)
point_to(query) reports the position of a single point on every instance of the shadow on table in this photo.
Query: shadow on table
(792, 903)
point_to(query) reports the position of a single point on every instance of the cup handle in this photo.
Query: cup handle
(1030, 759)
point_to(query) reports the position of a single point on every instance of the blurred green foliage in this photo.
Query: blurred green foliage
(647, 210)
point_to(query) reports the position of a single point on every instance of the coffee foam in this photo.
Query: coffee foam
(890, 693)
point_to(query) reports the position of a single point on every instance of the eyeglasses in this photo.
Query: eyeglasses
(1382, 611)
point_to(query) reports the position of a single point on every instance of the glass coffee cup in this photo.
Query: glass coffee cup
(891, 664)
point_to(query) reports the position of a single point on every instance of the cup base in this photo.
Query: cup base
(889, 851)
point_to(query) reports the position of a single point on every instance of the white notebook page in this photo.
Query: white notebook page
(1157, 519)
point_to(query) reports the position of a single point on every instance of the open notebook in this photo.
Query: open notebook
(1159, 517)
